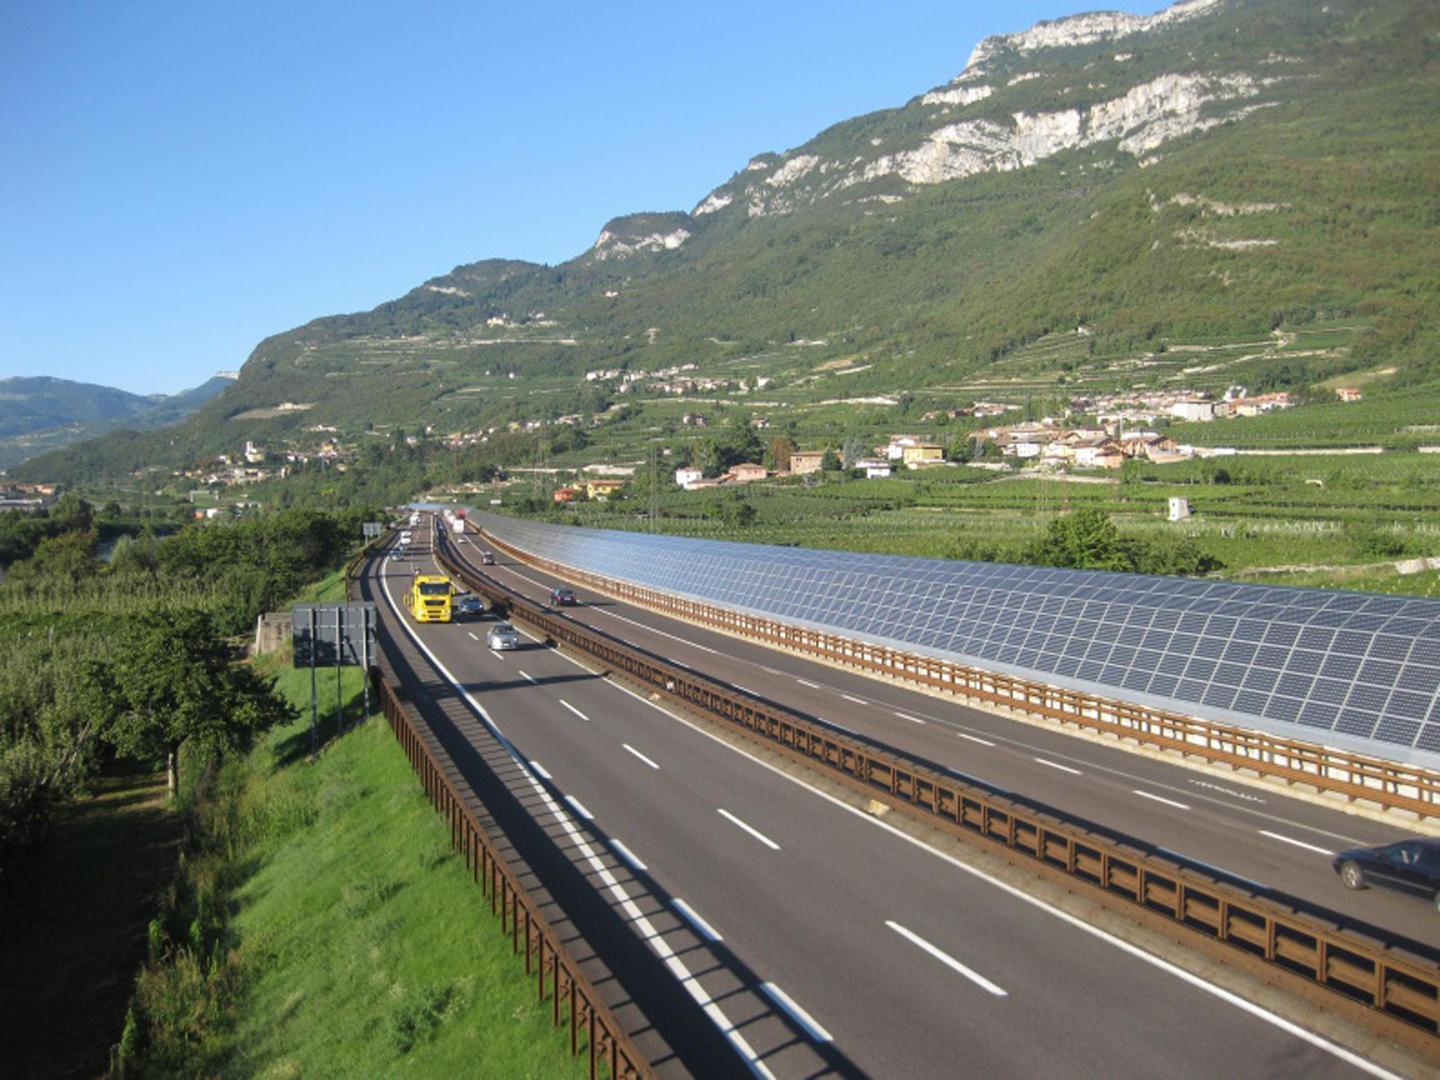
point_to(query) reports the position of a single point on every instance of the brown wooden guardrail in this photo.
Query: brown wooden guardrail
(1372, 980)
(574, 1003)
(1358, 777)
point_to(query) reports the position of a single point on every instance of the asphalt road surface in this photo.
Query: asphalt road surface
(743, 921)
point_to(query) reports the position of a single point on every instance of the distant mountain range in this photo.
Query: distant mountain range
(42, 413)
(1221, 171)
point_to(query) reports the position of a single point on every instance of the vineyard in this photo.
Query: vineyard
(1322, 520)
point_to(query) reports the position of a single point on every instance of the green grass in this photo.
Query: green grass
(358, 945)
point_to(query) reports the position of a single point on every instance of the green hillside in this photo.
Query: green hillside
(1072, 210)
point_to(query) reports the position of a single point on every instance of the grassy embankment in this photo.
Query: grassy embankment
(323, 927)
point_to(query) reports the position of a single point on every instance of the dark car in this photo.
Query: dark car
(470, 607)
(561, 596)
(487, 559)
(1411, 866)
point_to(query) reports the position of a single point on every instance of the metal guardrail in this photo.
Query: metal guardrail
(1387, 784)
(1373, 981)
(574, 1002)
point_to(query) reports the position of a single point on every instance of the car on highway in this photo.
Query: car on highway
(470, 607)
(1411, 866)
(562, 596)
(487, 558)
(503, 636)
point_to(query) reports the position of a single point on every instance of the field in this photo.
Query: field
(358, 946)
(1326, 520)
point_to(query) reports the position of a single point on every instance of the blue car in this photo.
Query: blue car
(1411, 866)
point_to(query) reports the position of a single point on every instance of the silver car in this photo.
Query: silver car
(503, 636)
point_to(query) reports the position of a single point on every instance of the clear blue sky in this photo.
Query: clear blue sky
(182, 179)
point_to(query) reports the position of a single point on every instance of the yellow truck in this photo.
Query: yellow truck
(429, 598)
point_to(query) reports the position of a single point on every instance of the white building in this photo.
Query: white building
(685, 477)
(1179, 509)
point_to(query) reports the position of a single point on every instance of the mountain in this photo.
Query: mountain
(1220, 172)
(41, 414)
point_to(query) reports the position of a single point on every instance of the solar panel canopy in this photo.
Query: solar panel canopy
(1354, 670)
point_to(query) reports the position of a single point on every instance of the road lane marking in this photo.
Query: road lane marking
(975, 738)
(1157, 798)
(497, 654)
(807, 682)
(1019, 895)
(1054, 765)
(622, 618)
(530, 678)
(540, 771)
(663, 949)
(639, 755)
(756, 833)
(662, 633)
(579, 808)
(907, 716)
(744, 689)
(690, 915)
(576, 711)
(856, 700)
(628, 855)
(1297, 843)
(1227, 791)
(471, 635)
(810, 1025)
(948, 960)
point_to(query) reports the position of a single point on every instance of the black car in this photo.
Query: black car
(470, 607)
(1411, 866)
(487, 559)
(561, 596)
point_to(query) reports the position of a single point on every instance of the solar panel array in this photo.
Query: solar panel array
(1348, 668)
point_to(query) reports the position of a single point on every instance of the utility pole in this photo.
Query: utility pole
(654, 483)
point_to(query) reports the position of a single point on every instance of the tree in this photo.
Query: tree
(69, 555)
(830, 461)
(777, 456)
(178, 688)
(851, 451)
(1085, 539)
(705, 456)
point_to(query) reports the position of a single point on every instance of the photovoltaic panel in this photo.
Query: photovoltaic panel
(1364, 668)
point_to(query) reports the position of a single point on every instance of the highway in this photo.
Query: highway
(1257, 835)
(783, 932)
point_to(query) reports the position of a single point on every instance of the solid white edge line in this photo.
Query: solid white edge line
(676, 966)
(1160, 799)
(756, 833)
(628, 855)
(580, 808)
(832, 723)
(573, 709)
(1053, 765)
(812, 1027)
(974, 738)
(622, 618)
(703, 928)
(540, 771)
(639, 755)
(1218, 992)
(948, 960)
(1297, 843)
